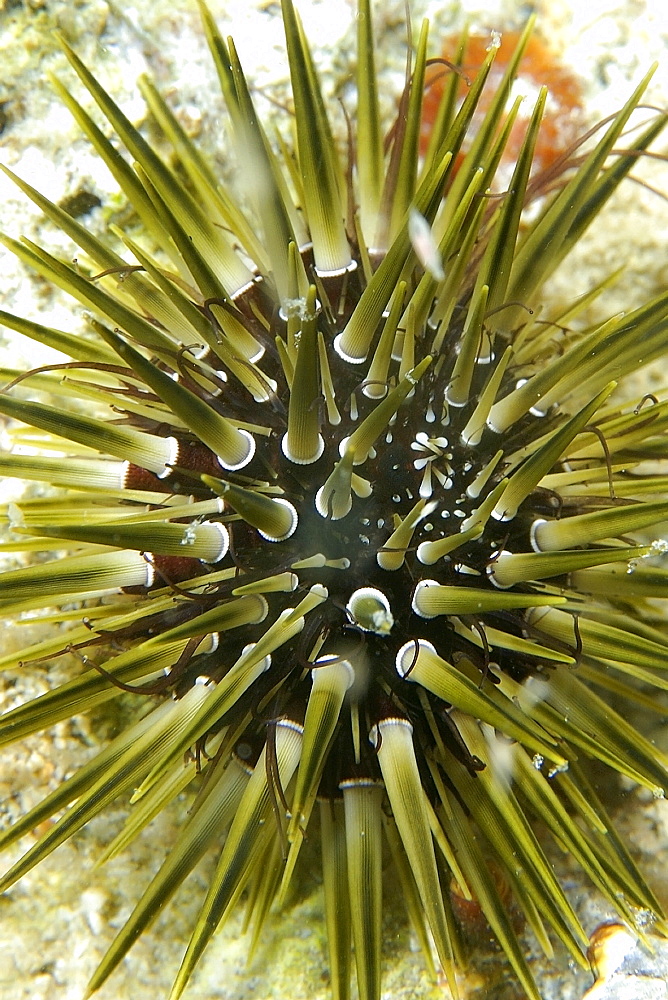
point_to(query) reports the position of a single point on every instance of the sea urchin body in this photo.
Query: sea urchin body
(368, 530)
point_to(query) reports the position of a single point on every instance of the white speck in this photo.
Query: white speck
(15, 515)
(424, 244)
(189, 534)
(92, 903)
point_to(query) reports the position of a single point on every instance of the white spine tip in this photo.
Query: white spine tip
(224, 541)
(344, 355)
(259, 354)
(369, 609)
(292, 526)
(533, 534)
(247, 457)
(263, 609)
(375, 390)
(336, 272)
(408, 655)
(301, 460)
(454, 399)
(265, 662)
(384, 727)
(491, 569)
(322, 505)
(417, 603)
(425, 553)
(268, 389)
(502, 513)
(150, 575)
(171, 459)
(342, 666)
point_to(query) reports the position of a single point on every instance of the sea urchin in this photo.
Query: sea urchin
(361, 530)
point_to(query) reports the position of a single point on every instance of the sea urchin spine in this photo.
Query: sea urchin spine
(369, 527)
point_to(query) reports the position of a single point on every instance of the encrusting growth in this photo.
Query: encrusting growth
(374, 535)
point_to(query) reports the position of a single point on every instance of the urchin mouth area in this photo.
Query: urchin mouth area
(424, 512)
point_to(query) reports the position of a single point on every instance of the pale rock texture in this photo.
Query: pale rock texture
(56, 923)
